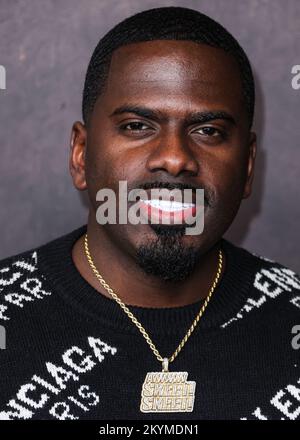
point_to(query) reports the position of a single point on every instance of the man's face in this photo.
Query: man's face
(169, 145)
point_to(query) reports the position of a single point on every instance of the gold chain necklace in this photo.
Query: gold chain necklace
(162, 391)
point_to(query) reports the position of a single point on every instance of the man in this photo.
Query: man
(144, 321)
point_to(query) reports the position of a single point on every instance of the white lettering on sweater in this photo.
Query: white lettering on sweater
(269, 284)
(286, 401)
(63, 411)
(36, 394)
(18, 286)
(296, 301)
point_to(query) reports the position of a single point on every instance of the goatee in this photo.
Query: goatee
(166, 257)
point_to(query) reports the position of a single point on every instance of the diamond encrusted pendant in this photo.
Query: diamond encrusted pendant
(167, 391)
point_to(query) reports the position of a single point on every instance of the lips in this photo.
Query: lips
(166, 212)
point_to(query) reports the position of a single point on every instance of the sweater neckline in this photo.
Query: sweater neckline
(62, 276)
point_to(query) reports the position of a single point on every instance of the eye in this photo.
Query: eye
(209, 132)
(211, 135)
(135, 126)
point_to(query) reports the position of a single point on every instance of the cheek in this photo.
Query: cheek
(111, 163)
(227, 178)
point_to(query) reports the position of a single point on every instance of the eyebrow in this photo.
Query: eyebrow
(157, 115)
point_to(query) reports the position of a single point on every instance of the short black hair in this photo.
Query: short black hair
(165, 23)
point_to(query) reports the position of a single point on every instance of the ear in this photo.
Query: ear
(251, 162)
(78, 144)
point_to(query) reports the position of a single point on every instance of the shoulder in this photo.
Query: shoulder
(29, 259)
(24, 276)
(263, 264)
(272, 287)
(21, 283)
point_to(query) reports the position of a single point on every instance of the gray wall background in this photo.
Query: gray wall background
(45, 47)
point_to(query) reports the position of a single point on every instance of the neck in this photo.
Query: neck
(131, 284)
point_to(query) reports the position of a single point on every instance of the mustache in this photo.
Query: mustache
(209, 194)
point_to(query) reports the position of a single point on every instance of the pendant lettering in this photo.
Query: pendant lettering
(167, 392)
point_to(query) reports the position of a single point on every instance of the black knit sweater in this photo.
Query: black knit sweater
(72, 353)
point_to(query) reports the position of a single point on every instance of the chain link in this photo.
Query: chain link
(133, 318)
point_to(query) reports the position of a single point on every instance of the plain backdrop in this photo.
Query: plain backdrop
(45, 47)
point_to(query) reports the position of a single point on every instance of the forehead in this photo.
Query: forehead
(176, 70)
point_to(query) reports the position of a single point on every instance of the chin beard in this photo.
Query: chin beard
(167, 257)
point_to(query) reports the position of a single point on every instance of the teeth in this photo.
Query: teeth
(167, 205)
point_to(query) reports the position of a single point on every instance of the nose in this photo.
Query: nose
(173, 155)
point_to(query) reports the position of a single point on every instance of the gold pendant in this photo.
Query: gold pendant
(167, 391)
